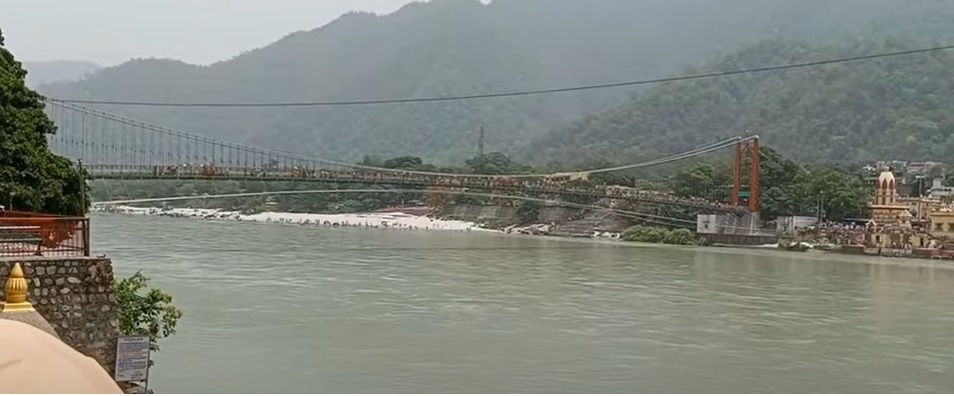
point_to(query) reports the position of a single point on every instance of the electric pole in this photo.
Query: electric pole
(480, 143)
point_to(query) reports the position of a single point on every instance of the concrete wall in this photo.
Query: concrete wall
(480, 212)
(75, 295)
(788, 224)
(549, 214)
(555, 214)
(735, 224)
(739, 240)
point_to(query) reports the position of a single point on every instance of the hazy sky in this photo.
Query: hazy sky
(197, 31)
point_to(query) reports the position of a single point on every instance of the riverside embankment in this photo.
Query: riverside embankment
(393, 220)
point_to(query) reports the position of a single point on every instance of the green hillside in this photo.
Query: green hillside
(890, 108)
(449, 47)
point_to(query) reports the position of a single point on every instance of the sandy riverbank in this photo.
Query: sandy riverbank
(386, 220)
(380, 220)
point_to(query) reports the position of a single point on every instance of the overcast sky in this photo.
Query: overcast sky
(109, 32)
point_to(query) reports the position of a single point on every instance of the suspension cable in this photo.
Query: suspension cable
(160, 129)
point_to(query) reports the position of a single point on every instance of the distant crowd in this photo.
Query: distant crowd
(554, 185)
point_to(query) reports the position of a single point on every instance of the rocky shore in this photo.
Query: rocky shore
(397, 219)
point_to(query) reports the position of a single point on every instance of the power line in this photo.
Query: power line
(480, 143)
(368, 102)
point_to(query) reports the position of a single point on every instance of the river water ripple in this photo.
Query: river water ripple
(279, 308)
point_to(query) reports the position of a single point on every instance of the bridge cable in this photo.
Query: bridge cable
(160, 129)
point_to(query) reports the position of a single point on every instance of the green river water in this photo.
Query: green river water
(284, 308)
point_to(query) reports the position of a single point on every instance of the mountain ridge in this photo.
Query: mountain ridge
(44, 72)
(452, 47)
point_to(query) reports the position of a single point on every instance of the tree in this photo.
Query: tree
(639, 233)
(894, 108)
(144, 311)
(606, 178)
(495, 164)
(31, 177)
(840, 194)
(406, 162)
(700, 181)
(787, 188)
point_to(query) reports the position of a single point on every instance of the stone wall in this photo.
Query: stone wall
(547, 214)
(75, 295)
(480, 212)
(571, 222)
(728, 223)
(739, 240)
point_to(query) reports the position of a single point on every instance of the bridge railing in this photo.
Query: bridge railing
(40, 234)
(398, 177)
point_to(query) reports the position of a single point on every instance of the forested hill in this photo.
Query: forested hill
(57, 71)
(450, 47)
(891, 108)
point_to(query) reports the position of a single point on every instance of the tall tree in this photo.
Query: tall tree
(839, 194)
(495, 163)
(787, 188)
(31, 177)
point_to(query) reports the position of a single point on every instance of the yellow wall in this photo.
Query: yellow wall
(887, 239)
(942, 224)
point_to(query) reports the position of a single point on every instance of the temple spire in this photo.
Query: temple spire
(16, 292)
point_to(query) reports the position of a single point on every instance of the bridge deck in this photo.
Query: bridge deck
(533, 186)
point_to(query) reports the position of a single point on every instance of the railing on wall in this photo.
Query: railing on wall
(39, 234)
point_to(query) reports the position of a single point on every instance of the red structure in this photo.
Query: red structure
(752, 145)
(736, 174)
(39, 234)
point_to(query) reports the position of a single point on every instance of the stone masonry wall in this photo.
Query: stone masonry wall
(75, 295)
(492, 212)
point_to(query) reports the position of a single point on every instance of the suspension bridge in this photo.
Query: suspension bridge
(114, 147)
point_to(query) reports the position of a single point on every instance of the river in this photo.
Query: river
(291, 309)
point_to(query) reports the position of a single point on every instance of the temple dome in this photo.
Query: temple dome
(886, 176)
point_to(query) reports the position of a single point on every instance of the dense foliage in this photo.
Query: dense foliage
(787, 188)
(847, 113)
(641, 233)
(145, 311)
(31, 177)
(454, 47)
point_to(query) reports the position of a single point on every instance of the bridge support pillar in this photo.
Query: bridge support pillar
(754, 176)
(736, 175)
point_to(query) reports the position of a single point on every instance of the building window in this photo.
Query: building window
(938, 226)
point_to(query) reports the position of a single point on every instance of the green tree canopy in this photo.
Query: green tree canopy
(853, 112)
(496, 163)
(405, 162)
(145, 311)
(787, 188)
(31, 177)
(462, 47)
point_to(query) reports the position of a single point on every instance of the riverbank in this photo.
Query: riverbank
(385, 220)
(398, 219)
